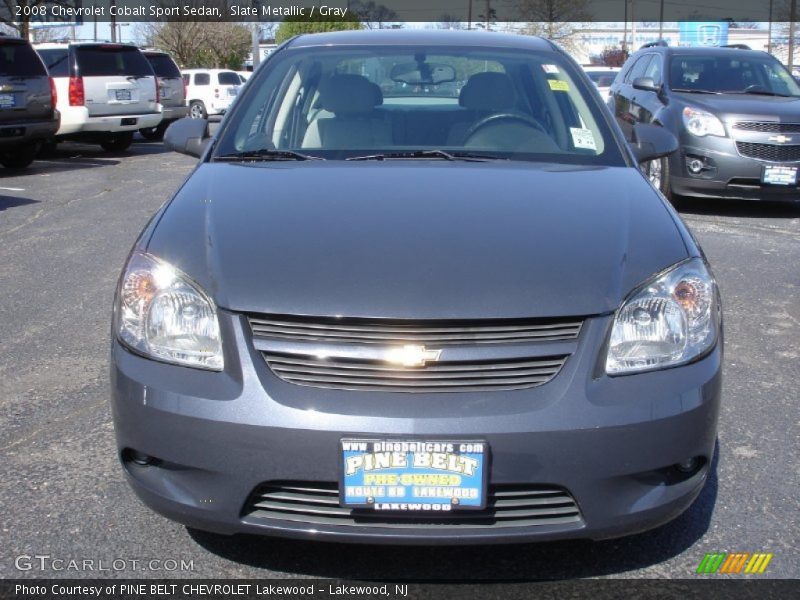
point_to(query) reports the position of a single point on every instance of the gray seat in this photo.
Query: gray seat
(483, 94)
(355, 123)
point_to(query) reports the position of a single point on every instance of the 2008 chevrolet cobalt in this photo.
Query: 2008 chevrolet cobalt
(417, 290)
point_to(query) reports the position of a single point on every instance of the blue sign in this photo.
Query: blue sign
(413, 475)
(697, 33)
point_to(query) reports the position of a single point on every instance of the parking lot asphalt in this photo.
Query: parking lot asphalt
(66, 225)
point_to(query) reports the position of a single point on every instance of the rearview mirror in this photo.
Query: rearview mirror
(646, 84)
(651, 142)
(422, 73)
(187, 136)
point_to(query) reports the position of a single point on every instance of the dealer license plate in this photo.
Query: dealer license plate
(413, 475)
(123, 95)
(779, 175)
(7, 101)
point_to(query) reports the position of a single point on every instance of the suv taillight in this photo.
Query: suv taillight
(53, 92)
(76, 95)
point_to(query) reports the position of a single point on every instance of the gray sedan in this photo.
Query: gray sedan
(378, 311)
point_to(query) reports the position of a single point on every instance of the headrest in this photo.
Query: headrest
(349, 94)
(488, 91)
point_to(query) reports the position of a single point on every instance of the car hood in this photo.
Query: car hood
(417, 239)
(746, 107)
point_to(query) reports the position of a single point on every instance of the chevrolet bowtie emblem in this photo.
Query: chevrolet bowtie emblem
(413, 356)
(781, 139)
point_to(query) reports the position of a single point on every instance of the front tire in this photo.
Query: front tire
(657, 171)
(197, 110)
(117, 142)
(20, 157)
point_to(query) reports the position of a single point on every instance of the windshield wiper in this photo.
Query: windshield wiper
(688, 91)
(265, 154)
(761, 93)
(411, 154)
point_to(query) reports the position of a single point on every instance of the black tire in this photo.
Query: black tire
(151, 133)
(20, 157)
(48, 148)
(661, 166)
(197, 110)
(117, 142)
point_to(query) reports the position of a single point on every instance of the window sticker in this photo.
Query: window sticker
(558, 85)
(583, 138)
(551, 69)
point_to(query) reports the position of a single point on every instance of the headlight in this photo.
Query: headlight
(670, 321)
(162, 314)
(700, 123)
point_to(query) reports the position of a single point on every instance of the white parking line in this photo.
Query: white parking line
(12, 189)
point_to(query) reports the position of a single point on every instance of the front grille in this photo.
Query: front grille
(438, 333)
(767, 127)
(769, 152)
(316, 503)
(451, 376)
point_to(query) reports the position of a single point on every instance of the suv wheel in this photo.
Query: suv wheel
(197, 110)
(657, 171)
(117, 142)
(154, 133)
(20, 157)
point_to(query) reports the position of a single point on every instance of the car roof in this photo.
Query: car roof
(207, 71)
(56, 45)
(702, 50)
(429, 37)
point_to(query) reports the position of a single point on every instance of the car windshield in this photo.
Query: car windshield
(19, 59)
(731, 74)
(420, 102)
(163, 65)
(107, 60)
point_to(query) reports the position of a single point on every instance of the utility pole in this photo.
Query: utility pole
(113, 21)
(661, 20)
(488, 12)
(769, 30)
(625, 30)
(469, 14)
(633, 25)
(792, 19)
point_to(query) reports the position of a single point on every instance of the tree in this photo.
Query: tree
(22, 24)
(613, 57)
(196, 44)
(556, 20)
(299, 25)
(448, 21)
(372, 15)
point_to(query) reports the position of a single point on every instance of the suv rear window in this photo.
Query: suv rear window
(229, 78)
(111, 59)
(56, 60)
(19, 59)
(163, 65)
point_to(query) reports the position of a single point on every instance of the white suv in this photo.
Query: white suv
(210, 91)
(105, 91)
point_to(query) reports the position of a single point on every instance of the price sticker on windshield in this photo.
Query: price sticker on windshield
(583, 138)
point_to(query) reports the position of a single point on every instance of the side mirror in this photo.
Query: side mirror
(651, 142)
(187, 136)
(646, 84)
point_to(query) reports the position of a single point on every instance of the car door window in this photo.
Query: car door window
(202, 79)
(654, 70)
(638, 69)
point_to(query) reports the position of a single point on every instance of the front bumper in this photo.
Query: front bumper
(727, 175)
(610, 442)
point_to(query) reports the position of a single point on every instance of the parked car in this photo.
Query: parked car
(105, 92)
(416, 318)
(736, 113)
(171, 92)
(602, 77)
(210, 91)
(28, 112)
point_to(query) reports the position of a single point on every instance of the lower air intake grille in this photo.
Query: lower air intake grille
(768, 127)
(358, 374)
(769, 152)
(317, 503)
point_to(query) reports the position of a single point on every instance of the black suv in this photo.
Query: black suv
(28, 112)
(735, 112)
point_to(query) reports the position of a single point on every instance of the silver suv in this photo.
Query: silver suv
(105, 92)
(171, 92)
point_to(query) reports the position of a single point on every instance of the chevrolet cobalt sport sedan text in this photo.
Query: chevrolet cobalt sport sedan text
(417, 290)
